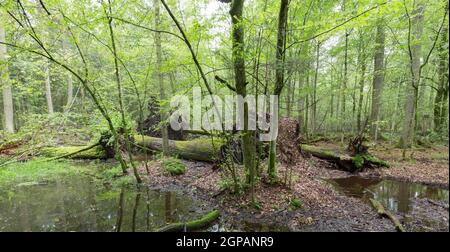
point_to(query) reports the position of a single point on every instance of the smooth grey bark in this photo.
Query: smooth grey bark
(307, 101)
(69, 91)
(301, 100)
(303, 57)
(345, 78)
(69, 80)
(415, 53)
(47, 77)
(8, 107)
(48, 88)
(378, 78)
(314, 96)
(362, 63)
(160, 78)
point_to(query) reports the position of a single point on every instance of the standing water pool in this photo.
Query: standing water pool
(76, 203)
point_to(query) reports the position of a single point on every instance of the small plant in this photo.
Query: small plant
(174, 166)
(225, 184)
(256, 204)
(296, 204)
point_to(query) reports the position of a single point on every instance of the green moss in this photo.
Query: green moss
(174, 166)
(191, 225)
(376, 161)
(359, 161)
(296, 204)
(199, 149)
(94, 153)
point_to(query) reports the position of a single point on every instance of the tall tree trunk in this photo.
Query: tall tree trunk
(301, 99)
(279, 80)
(69, 80)
(248, 139)
(440, 108)
(48, 88)
(307, 102)
(415, 48)
(378, 79)
(47, 81)
(8, 108)
(362, 63)
(160, 78)
(69, 91)
(345, 77)
(314, 97)
(344, 82)
(303, 57)
(290, 96)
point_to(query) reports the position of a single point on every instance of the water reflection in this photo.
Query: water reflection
(77, 204)
(395, 195)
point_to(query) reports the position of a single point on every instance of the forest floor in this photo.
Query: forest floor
(323, 208)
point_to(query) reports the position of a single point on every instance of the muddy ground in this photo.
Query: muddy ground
(323, 208)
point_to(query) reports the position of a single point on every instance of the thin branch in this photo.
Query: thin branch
(337, 26)
(146, 28)
(409, 37)
(225, 83)
(188, 44)
(45, 8)
(436, 39)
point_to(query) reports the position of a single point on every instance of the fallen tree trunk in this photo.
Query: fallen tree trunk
(191, 225)
(75, 152)
(344, 161)
(383, 213)
(198, 132)
(206, 150)
(5, 147)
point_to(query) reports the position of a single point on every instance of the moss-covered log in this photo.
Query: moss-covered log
(345, 161)
(198, 132)
(206, 150)
(75, 152)
(386, 214)
(194, 225)
(199, 149)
